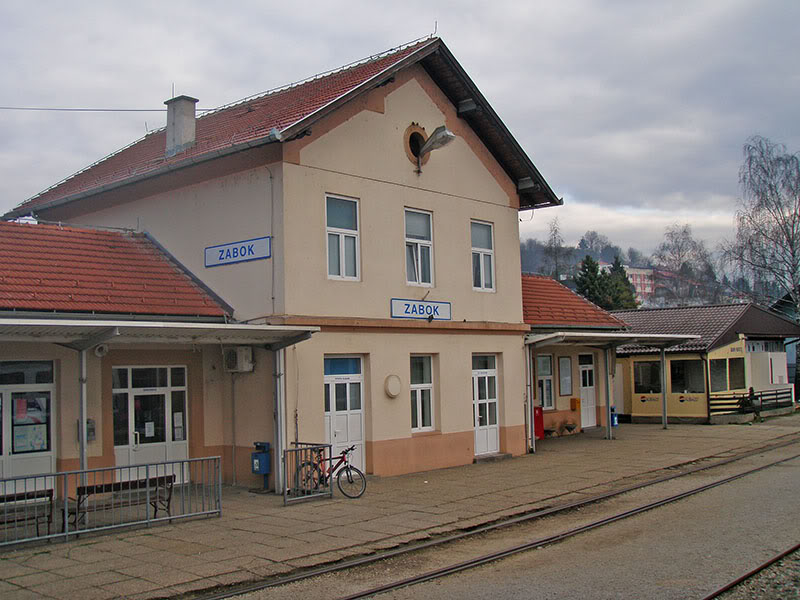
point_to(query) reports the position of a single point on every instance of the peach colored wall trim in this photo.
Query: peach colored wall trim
(512, 439)
(357, 324)
(409, 455)
(553, 418)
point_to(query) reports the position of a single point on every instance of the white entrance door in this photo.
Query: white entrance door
(588, 399)
(484, 404)
(150, 418)
(344, 412)
(27, 417)
(26, 436)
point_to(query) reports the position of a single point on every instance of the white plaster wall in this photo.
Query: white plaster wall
(227, 209)
(364, 158)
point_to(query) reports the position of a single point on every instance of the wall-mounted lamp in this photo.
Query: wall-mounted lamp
(440, 137)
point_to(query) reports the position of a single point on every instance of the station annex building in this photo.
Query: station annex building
(373, 209)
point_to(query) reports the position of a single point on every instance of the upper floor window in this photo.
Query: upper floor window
(482, 256)
(419, 247)
(341, 218)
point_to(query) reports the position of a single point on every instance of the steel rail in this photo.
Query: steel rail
(751, 573)
(487, 558)
(529, 516)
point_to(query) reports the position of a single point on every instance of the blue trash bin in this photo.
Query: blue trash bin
(260, 462)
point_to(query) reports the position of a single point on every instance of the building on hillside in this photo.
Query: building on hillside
(741, 346)
(102, 327)
(338, 203)
(641, 280)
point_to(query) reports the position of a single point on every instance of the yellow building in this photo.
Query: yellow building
(379, 203)
(741, 347)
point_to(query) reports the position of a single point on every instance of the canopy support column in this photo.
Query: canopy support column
(609, 430)
(663, 388)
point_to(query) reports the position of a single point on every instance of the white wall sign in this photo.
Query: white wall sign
(235, 252)
(420, 309)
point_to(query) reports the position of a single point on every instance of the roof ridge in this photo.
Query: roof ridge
(60, 226)
(288, 86)
(698, 306)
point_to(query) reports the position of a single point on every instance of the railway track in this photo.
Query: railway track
(550, 511)
(751, 574)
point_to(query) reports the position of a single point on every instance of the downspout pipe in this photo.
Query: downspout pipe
(609, 430)
(279, 416)
(82, 410)
(529, 394)
(663, 387)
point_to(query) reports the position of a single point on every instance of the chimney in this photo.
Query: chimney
(180, 124)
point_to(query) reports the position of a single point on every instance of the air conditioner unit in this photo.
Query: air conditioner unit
(239, 359)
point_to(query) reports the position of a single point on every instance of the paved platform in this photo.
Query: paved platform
(258, 537)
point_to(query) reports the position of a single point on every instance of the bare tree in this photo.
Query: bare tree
(555, 253)
(684, 273)
(766, 248)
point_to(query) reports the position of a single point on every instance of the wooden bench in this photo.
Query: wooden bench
(119, 495)
(35, 506)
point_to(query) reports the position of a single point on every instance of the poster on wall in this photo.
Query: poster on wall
(30, 438)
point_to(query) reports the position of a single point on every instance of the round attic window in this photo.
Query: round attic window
(413, 139)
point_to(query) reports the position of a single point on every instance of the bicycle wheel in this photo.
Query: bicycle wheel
(351, 482)
(307, 478)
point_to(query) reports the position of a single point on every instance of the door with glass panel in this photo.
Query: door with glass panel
(484, 404)
(150, 416)
(27, 404)
(344, 413)
(588, 398)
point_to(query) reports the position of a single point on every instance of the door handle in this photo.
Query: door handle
(135, 440)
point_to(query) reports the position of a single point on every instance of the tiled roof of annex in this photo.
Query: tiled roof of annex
(249, 120)
(547, 303)
(51, 268)
(709, 322)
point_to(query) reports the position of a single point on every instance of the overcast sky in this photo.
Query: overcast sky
(634, 112)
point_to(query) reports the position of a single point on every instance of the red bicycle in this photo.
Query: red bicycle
(318, 472)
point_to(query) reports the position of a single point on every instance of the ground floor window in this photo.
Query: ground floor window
(727, 374)
(421, 393)
(544, 379)
(646, 377)
(687, 377)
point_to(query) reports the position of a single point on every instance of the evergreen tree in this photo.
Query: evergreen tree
(591, 283)
(623, 294)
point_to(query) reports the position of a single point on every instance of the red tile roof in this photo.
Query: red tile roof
(547, 303)
(247, 121)
(68, 269)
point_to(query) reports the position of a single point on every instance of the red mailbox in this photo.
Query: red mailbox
(538, 423)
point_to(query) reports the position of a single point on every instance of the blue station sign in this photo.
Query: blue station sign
(420, 309)
(236, 252)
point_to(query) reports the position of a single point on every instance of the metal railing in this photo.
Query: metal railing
(61, 505)
(304, 469)
(747, 403)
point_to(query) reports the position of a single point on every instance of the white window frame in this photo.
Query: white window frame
(417, 244)
(482, 252)
(540, 379)
(416, 398)
(342, 234)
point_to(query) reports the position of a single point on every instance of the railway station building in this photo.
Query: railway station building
(365, 219)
